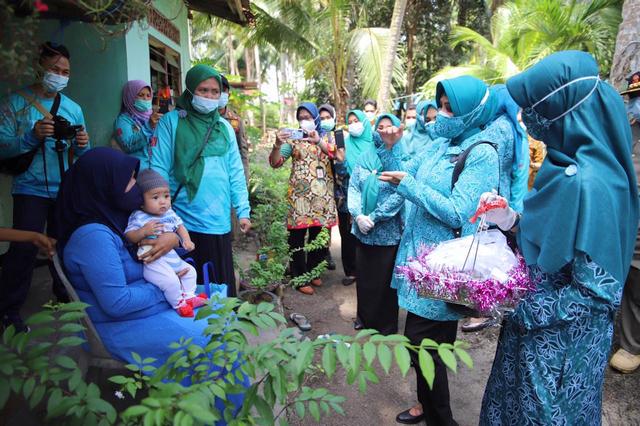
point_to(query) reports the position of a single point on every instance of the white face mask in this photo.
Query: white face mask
(204, 105)
(53, 82)
(356, 129)
(410, 123)
(370, 115)
(308, 125)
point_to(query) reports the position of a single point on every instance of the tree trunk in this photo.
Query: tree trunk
(626, 58)
(248, 65)
(412, 30)
(263, 110)
(387, 70)
(231, 54)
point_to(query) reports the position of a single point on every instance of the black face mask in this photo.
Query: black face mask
(130, 201)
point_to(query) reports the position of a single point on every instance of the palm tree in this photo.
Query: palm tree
(525, 31)
(394, 36)
(627, 55)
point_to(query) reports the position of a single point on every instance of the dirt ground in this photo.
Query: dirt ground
(332, 310)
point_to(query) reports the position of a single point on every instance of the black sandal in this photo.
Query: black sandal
(301, 321)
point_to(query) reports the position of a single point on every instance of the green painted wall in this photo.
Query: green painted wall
(99, 68)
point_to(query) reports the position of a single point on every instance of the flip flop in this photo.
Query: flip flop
(301, 321)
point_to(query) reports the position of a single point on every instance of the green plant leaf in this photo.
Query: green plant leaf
(337, 408)
(135, 411)
(72, 316)
(403, 359)
(464, 357)
(384, 356)
(43, 317)
(427, 366)
(428, 343)
(37, 396)
(28, 386)
(314, 410)
(355, 356)
(265, 411)
(65, 362)
(5, 391)
(73, 306)
(137, 358)
(71, 341)
(299, 409)
(369, 350)
(329, 360)
(119, 380)
(364, 333)
(304, 357)
(448, 358)
(343, 353)
(71, 328)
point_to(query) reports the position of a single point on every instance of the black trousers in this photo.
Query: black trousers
(435, 402)
(302, 262)
(215, 249)
(30, 213)
(348, 248)
(377, 301)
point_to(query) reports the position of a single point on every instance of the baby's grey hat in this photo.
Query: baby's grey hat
(149, 179)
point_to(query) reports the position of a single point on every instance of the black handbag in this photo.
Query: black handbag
(19, 164)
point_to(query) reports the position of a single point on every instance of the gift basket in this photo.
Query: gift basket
(479, 271)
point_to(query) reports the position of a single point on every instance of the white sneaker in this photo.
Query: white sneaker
(624, 361)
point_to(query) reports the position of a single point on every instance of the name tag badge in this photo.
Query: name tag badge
(320, 172)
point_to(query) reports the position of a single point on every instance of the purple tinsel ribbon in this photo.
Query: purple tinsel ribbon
(458, 287)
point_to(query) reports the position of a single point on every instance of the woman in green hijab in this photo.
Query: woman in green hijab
(196, 151)
(377, 225)
(577, 234)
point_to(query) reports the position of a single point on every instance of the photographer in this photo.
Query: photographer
(41, 130)
(311, 202)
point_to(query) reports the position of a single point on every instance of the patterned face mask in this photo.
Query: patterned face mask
(538, 125)
(450, 127)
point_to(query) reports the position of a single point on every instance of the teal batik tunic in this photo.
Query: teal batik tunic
(550, 361)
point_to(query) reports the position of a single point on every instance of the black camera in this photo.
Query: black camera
(63, 129)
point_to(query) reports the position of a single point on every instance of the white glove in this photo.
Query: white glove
(503, 217)
(365, 224)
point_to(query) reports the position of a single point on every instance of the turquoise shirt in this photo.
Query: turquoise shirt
(17, 118)
(223, 184)
(133, 138)
(387, 215)
(436, 210)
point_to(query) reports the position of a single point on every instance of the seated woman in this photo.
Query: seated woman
(378, 228)
(136, 122)
(130, 314)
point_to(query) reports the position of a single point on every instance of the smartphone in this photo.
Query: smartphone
(164, 106)
(339, 137)
(297, 134)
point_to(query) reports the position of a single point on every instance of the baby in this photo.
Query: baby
(155, 218)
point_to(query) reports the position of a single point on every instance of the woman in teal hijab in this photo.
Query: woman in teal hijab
(415, 142)
(360, 137)
(196, 151)
(577, 233)
(377, 225)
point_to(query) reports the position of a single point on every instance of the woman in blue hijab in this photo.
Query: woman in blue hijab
(377, 225)
(577, 235)
(439, 211)
(413, 143)
(310, 195)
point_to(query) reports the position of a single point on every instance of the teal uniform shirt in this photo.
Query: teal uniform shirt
(134, 138)
(223, 183)
(17, 118)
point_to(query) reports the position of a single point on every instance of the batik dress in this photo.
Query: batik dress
(550, 360)
(310, 194)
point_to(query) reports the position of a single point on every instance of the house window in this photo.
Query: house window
(166, 79)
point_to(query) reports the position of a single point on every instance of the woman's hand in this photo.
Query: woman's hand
(496, 210)
(314, 137)
(159, 246)
(153, 120)
(82, 138)
(392, 177)
(391, 135)
(245, 225)
(45, 244)
(281, 136)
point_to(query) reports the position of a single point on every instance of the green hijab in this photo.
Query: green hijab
(370, 161)
(355, 146)
(192, 129)
(585, 197)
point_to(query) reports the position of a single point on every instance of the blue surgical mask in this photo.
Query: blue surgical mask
(53, 82)
(537, 125)
(142, 105)
(429, 127)
(224, 100)
(450, 127)
(328, 124)
(204, 105)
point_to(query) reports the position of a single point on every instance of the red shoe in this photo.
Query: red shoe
(185, 310)
(203, 296)
(306, 289)
(196, 302)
